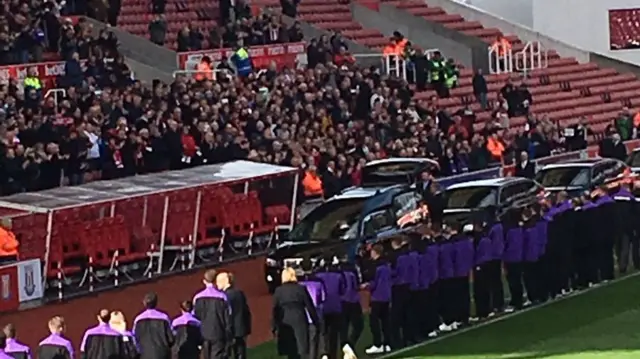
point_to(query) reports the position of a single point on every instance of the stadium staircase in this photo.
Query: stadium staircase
(564, 91)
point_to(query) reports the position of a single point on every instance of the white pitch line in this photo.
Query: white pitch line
(505, 316)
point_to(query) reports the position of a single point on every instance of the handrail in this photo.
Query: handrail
(500, 62)
(55, 93)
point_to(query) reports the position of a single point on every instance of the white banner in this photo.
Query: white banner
(29, 280)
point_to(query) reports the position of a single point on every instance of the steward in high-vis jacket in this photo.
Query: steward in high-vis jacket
(380, 288)
(212, 309)
(102, 341)
(152, 330)
(187, 333)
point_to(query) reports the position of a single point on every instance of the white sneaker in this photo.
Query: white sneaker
(509, 309)
(387, 349)
(492, 314)
(527, 303)
(375, 350)
(433, 334)
(455, 325)
(473, 319)
(590, 285)
(445, 328)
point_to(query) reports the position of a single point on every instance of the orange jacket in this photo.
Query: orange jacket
(495, 147)
(8, 243)
(390, 49)
(204, 72)
(312, 184)
(503, 45)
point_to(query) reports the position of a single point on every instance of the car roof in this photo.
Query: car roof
(586, 163)
(362, 192)
(491, 182)
(401, 160)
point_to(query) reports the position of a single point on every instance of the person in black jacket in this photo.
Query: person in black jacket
(152, 330)
(291, 304)
(240, 314)
(212, 308)
(525, 168)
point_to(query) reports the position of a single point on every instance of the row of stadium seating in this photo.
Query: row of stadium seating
(548, 86)
(126, 227)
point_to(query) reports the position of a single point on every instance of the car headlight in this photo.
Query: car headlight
(271, 262)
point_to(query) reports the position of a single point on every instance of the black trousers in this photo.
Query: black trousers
(482, 289)
(379, 323)
(239, 348)
(400, 316)
(583, 267)
(461, 299)
(514, 279)
(214, 350)
(606, 259)
(446, 307)
(416, 309)
(353, 323)
(496, 287)
(530, 274)
(315, 341)
(332, 325)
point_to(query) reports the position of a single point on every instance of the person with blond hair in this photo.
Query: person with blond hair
(118, 323)
(56, 346)
(290, 325)
(102, 341)
(240, 314)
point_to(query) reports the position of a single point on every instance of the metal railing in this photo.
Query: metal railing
(532, 57)
(213, 74)
(55, 93)
(500, 59)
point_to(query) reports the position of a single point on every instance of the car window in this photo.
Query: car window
(509, 191)
(322, 222)
(377, 221)
(564, 177)
(634, 159)
(405, 203)
(470, 197)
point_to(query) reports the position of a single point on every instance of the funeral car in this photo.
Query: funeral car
(385, 203)
(577, 176)
(464, 200)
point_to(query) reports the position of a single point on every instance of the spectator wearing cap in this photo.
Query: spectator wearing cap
(13, 347)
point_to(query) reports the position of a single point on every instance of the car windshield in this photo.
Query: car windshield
(564, 177)
(634, 159)
(324, 221)
(470, 197)
(376, 222)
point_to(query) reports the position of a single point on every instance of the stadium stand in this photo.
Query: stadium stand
(624, 29)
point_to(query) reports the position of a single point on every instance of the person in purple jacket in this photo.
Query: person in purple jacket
(380, 289)
(351, 306)
(3, 346)
(496, 236)
(429, 274)
(330, 275)
(606, 214)
(512, 257)
(482, 271)
(102, 341)
(56, 346)
(14, 348)
(152, 330)
(446, 284)
(463, 253)
(404, 270)
(316, 291)
(531, 255)
(417, 291)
